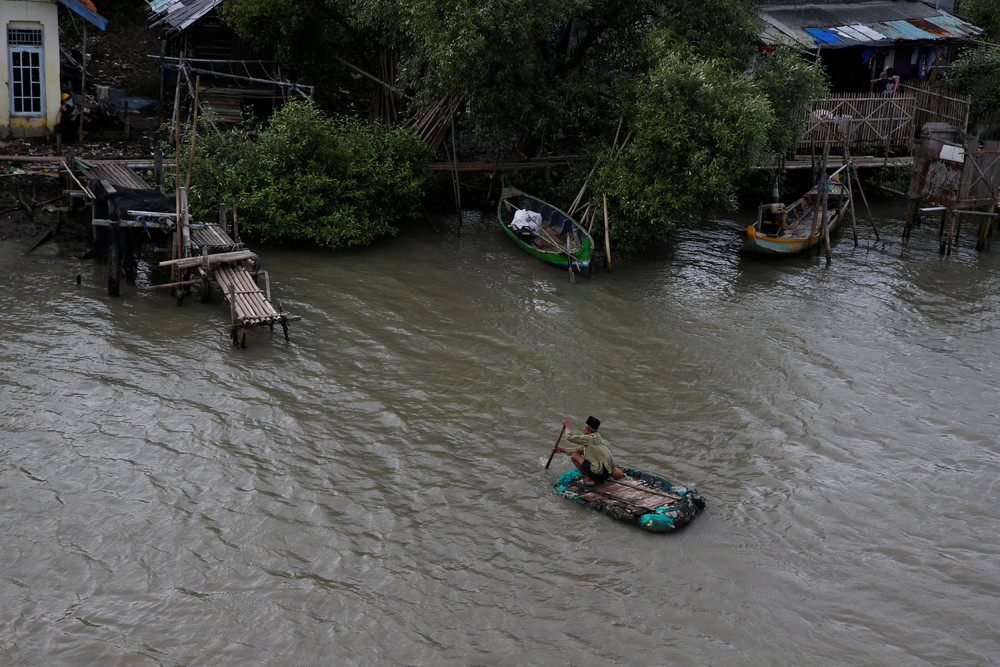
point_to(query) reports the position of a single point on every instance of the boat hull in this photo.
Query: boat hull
(794, 229)
(638, 498)
(755, 243)
(562, 241)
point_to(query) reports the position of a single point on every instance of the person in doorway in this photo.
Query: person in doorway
(887, 82)
(591, 456)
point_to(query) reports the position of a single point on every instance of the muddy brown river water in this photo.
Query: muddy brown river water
(372, 492)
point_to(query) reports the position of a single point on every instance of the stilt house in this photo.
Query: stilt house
(857, 40)
(235, 79)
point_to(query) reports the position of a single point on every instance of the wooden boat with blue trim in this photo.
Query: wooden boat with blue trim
(789, 230)
(638, 498)
(556, 238)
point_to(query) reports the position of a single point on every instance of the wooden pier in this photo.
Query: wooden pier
(128, 213)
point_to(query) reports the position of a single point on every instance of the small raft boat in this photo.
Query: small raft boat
(639, 498)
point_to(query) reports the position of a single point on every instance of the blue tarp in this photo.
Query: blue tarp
(823, 36)
(87, 11)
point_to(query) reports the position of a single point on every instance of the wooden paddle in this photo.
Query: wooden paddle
(554, 446)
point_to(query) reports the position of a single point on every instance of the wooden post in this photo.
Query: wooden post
(824, 197)
(184, 223)
(607, 239)
(865, 200)
(158, 167)
(176, 246)
(983, 241)
(114, 260)
(820, 181)
(236, 227)
(159, 101)
(911, 218)
(194, 131)
(83, 83)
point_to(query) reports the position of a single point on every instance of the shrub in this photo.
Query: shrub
(308, 177)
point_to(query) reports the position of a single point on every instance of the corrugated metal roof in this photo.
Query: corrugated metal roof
(87, 10)
(181, 14)
(862, 24)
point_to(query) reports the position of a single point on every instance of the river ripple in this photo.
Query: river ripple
(373, 491)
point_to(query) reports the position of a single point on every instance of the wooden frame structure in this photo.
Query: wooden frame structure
(960, 176)
(882, 123)
(201, 253)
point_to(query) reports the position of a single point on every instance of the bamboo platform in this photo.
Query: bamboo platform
(836, 161)
(249, 305)
(201, 253)
(113, 173)
(213, 238)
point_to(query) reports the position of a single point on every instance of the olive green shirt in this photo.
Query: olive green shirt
(592, 446)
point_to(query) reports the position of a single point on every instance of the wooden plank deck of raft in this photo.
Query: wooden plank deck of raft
(630, 491)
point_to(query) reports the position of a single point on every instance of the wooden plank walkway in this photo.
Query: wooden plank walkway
(249, 305)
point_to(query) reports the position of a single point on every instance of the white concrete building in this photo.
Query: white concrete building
(30, 93)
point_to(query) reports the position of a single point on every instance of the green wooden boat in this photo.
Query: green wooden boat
(552, 235)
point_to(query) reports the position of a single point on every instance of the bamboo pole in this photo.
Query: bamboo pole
(175, 250)
(188, 262)
(850, 202)
(83, 82)
(820, 182)
(864, 199)
(607, 240)
(194, 132)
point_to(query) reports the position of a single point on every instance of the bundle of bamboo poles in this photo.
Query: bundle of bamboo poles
(432, 124)
(591, 208)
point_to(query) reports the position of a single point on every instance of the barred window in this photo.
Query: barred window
(27, 89)
(24, 37)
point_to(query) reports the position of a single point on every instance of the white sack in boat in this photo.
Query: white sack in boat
(526, 220)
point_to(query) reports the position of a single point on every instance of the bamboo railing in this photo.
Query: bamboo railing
(878, 123)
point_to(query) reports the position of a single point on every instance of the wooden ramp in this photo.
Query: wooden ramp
(248, 304)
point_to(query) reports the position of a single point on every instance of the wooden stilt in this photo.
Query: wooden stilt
(607, 236)
(114, 261)
(911, 218)
(864, 199)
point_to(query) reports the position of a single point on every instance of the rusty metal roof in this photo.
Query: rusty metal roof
(880, 23)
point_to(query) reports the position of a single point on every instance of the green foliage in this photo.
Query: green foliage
(695, 126)
(333, 181)
(699, 103)
(790, 83)
(984, 14)
(712, 29)
(895, 177)
(977, 73)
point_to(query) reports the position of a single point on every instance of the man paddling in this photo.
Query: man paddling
(591, 456)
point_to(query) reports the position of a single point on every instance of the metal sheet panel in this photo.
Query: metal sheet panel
(867, 23)
(181, 14)
(87, 10)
